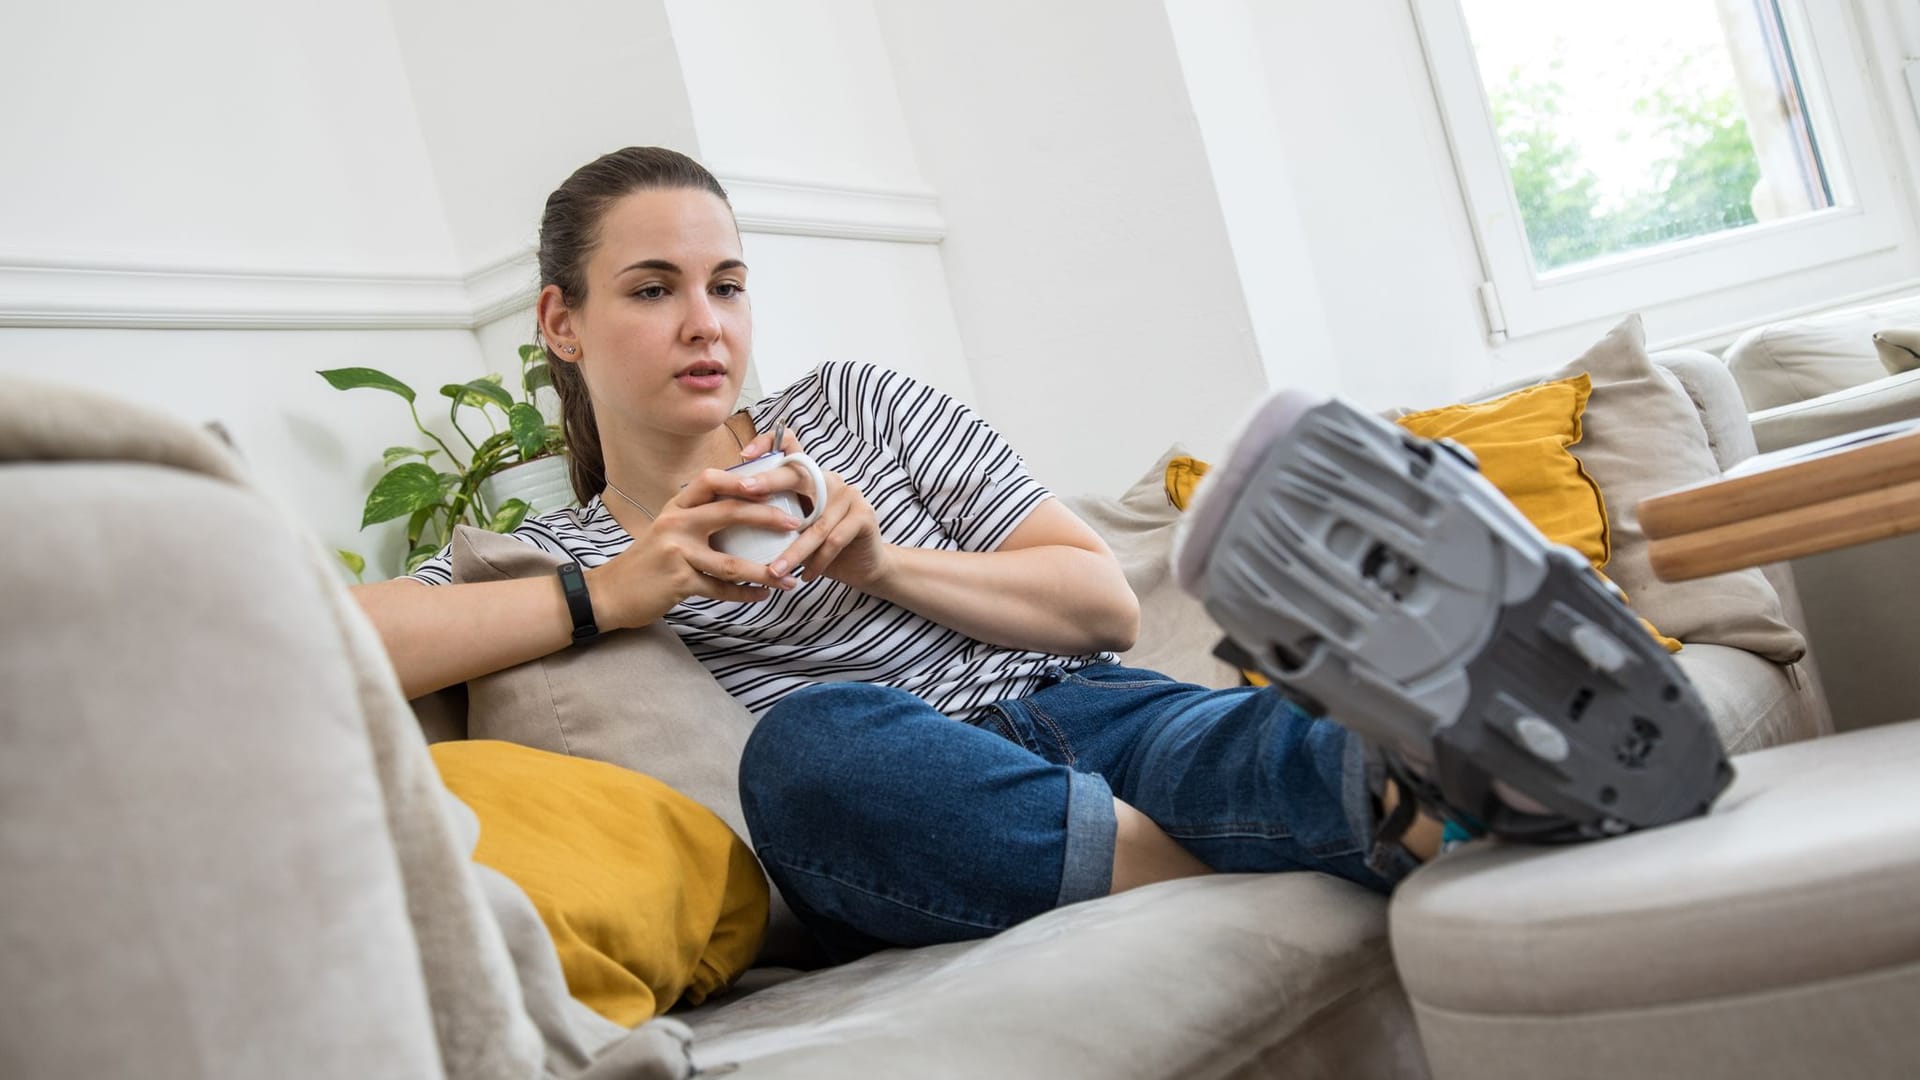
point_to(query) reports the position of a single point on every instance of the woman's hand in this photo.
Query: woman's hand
(844, 542)
(674, 560)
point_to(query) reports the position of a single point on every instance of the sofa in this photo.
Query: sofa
(1813, 378)
(224, 850)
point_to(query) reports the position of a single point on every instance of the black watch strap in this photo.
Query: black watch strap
(579, 605)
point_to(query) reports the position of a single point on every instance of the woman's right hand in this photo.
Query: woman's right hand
(674, 559)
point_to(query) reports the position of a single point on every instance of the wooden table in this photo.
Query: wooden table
(1802, 500)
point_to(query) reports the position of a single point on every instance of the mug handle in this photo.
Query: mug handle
(819, 478)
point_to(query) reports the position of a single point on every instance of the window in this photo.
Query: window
(1624, 154)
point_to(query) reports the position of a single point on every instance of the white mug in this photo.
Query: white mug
(755, 544)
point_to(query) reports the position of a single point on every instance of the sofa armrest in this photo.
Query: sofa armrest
(1883, 401)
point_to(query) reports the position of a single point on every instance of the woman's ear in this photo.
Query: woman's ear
(556, 324)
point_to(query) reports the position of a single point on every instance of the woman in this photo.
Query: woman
(946, 745)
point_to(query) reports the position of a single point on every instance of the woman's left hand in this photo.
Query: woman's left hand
(844, 542)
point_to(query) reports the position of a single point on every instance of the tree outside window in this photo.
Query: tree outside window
(1644, 122)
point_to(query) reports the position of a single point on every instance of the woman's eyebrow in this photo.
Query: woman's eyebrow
(666, 267)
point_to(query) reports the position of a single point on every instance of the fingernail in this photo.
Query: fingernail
(790, 582)
(778, 566)
(752, 484)
(791, 522)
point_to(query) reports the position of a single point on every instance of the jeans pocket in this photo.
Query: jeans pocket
(1025, 724)
(995, 720)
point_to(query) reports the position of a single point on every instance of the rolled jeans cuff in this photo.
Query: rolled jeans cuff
(1087, 870)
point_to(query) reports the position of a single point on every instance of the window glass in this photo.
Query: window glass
(1636, 123)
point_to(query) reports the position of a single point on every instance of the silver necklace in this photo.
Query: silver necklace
(636, 502)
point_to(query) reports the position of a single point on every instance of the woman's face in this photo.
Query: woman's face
(666, 331)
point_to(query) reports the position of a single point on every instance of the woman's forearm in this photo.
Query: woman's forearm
(1050, 598)
(438, 635)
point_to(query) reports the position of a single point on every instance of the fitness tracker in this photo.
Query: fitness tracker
(574, 584)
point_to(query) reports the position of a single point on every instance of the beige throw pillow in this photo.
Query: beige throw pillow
(1899, 350)
(1643, 436)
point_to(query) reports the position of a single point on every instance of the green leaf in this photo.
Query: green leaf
(532, 354)
(479, 392)
(509, 516)
(421, 554)
(417, 524)
(355, 564)
(529, 430)
(537, 376)
(450, 482)
(404, 490)
(353, 378)
(489, 457)
(394, 454)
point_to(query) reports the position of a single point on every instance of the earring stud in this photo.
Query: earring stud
(570, 349)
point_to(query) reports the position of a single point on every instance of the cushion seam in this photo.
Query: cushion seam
(1678, 1003)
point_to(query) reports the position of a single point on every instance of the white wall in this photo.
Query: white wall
(214, 134)
(1090, 270)
(793, 90)
(315, 449)
(1252, 170)
(511, 99)
(275, 143)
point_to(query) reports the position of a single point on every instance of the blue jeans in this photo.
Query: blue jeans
(884, 822)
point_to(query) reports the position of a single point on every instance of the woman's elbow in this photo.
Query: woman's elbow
(1121, 628)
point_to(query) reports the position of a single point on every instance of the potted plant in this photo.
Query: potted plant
(436, 495)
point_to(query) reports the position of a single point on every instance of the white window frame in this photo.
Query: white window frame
(1520, 300)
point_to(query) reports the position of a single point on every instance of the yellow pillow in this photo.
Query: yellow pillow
(647, 895)
(1523, 441)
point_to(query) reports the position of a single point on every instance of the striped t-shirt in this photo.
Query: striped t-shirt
(936, 475)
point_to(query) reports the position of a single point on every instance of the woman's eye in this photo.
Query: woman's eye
(727, 290)
(650, 292)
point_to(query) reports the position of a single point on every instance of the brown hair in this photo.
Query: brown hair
(569, 230)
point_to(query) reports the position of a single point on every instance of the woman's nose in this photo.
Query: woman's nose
(702, 323)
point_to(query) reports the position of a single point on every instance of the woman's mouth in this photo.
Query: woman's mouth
(703, 377)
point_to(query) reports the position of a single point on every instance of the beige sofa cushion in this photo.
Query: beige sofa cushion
(1797, 359)
(1229, 975)
(1177, 635)
(1644, 436)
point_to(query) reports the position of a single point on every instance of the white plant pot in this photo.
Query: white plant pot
(541, 483)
